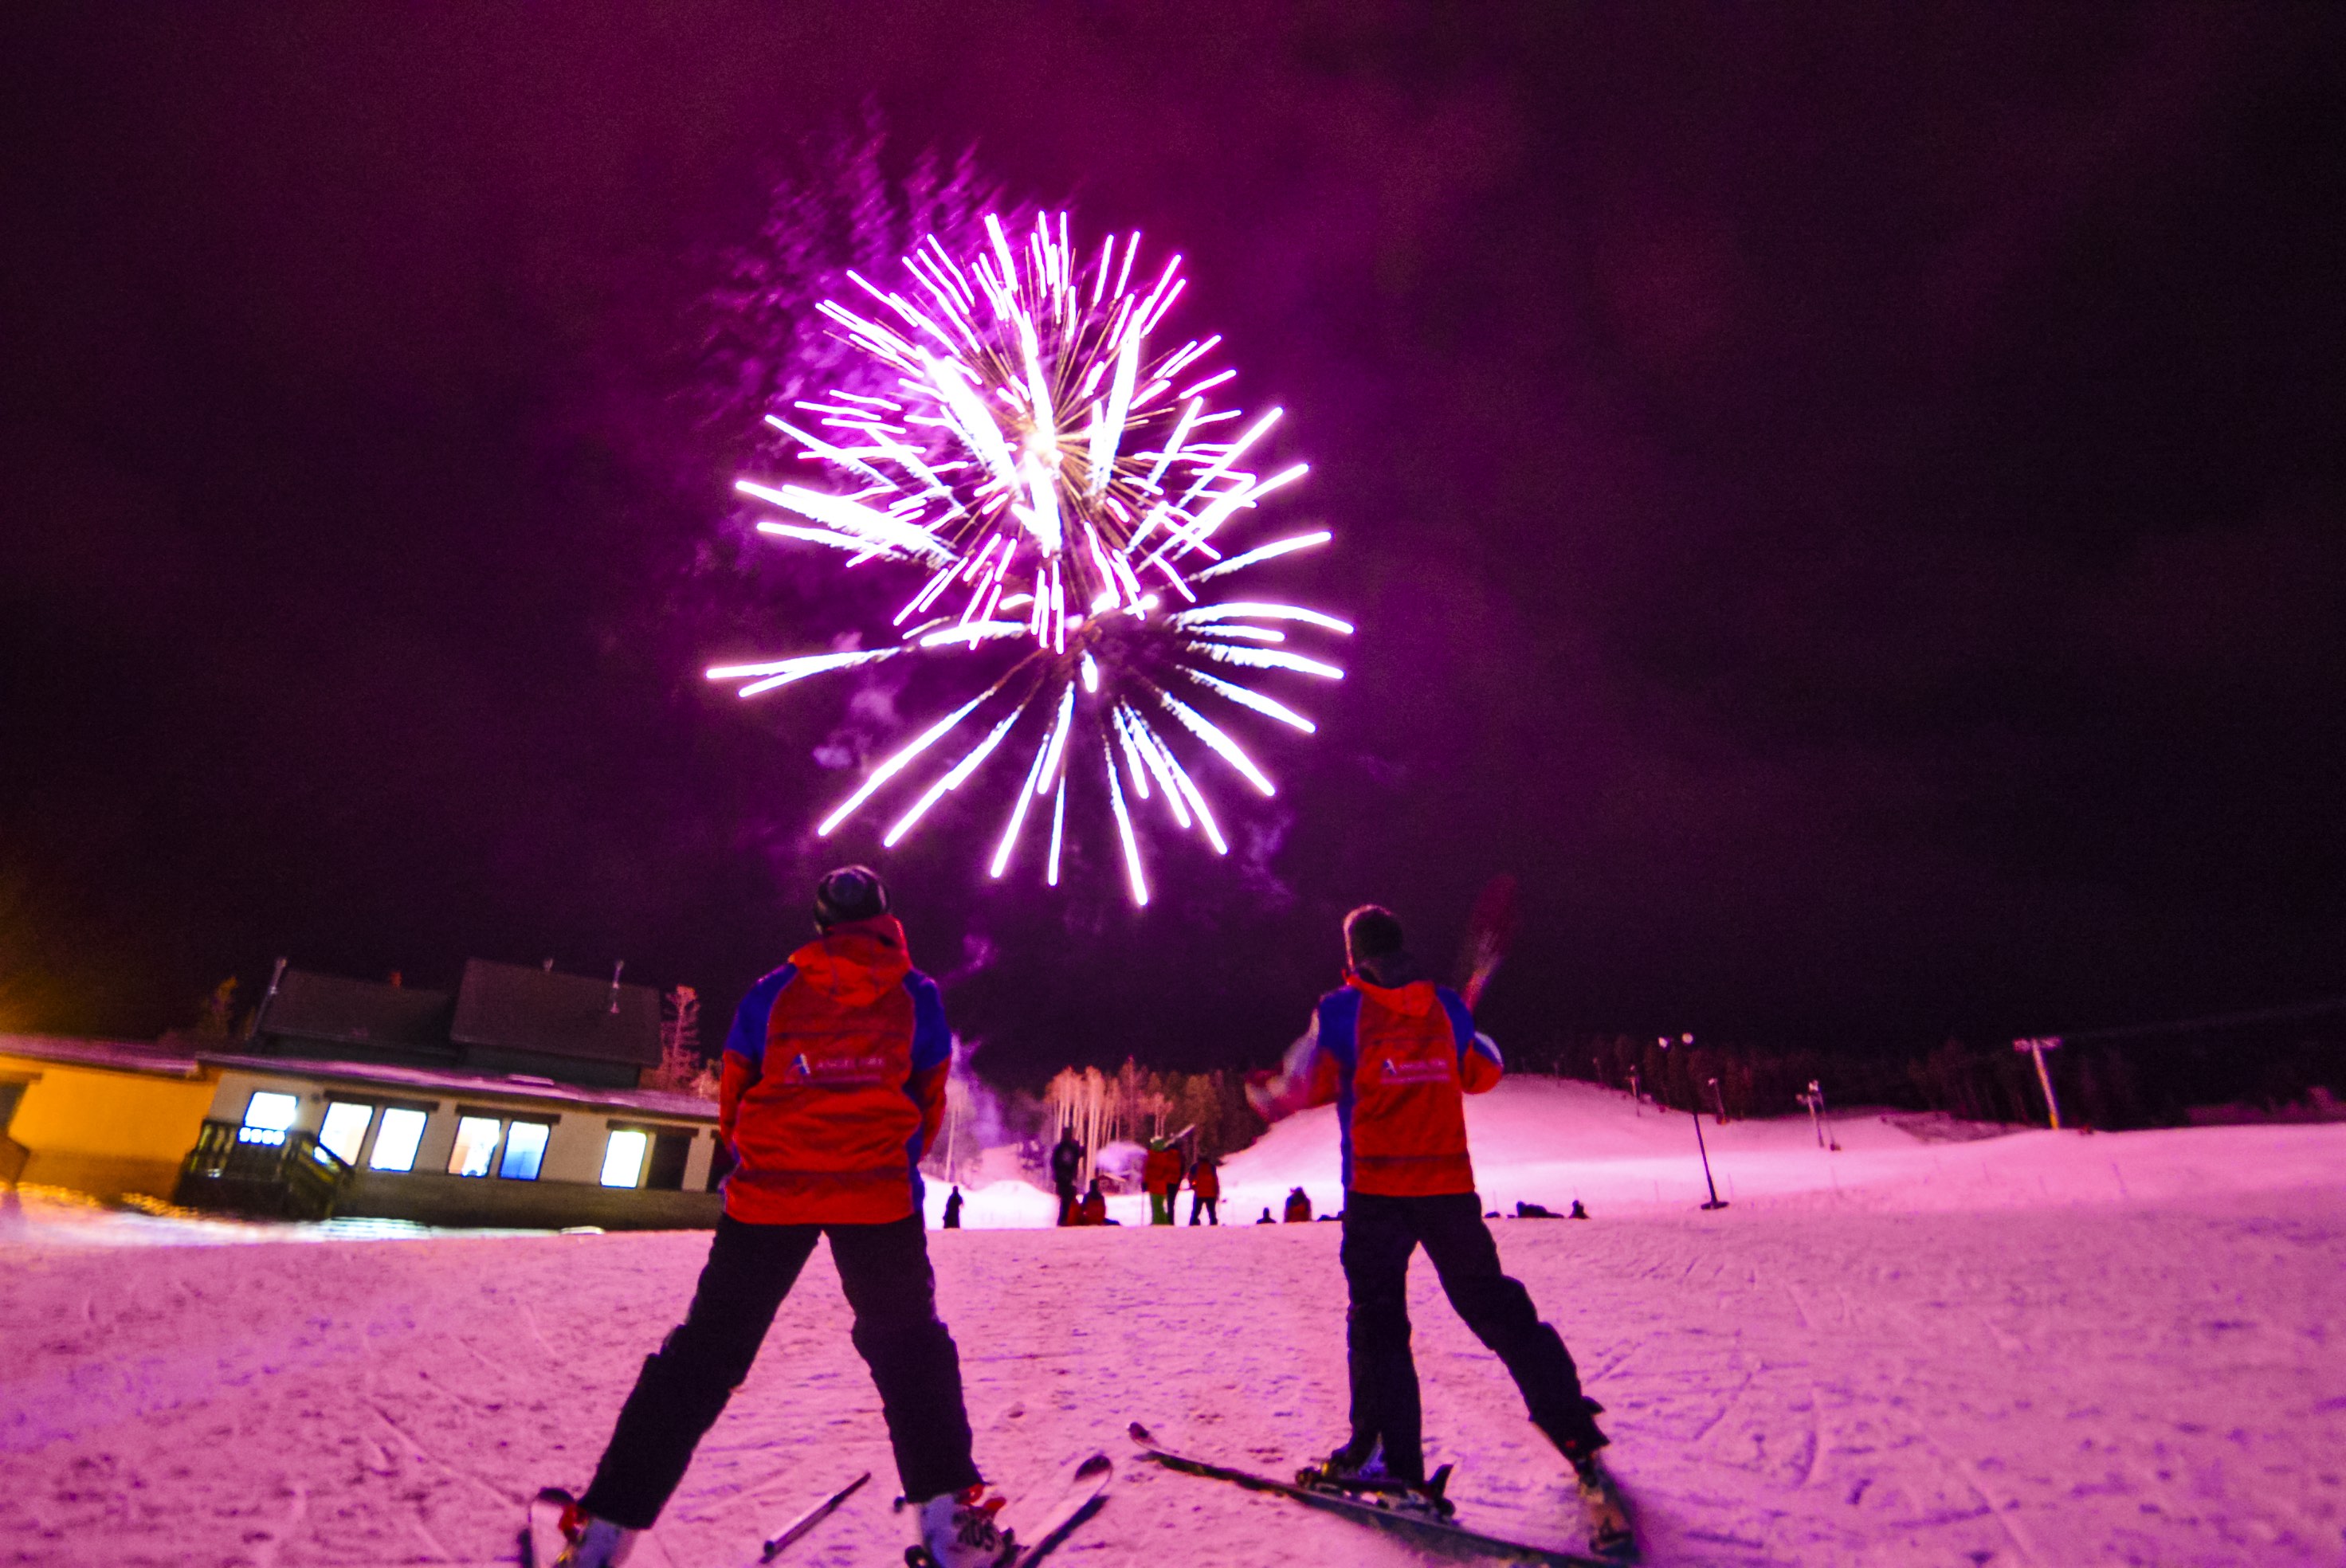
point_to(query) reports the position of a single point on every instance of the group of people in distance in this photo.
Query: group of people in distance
(834, 1083)
(1161, 1176)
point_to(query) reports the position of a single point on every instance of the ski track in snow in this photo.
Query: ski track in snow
(2125, 1381)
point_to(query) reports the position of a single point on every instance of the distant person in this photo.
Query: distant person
(1299, 1206)
(1577, 1212)
(834, 1083)
(1266, 1219)
(1093, 1209)
(1397, 1054)
(1204, 1190)
(1066, 1164)
(1535, 1211)
(1161, 1176)
(953, 1210)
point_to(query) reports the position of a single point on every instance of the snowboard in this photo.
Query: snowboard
(1419, 1527)
(1076, 1503)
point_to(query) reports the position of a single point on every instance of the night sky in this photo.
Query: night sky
(1843, 503)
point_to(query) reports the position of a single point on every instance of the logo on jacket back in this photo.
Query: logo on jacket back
(839, 1072)
(1436, 1071)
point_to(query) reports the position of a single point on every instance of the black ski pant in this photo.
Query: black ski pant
(1380, 1235)
(1067, 1205)
(884, 1271)
(1211, 1207)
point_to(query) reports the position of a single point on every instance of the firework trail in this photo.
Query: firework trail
(1066, 492)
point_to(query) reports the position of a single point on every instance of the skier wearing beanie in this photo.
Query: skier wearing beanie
(834, 1082)
(1396, 1053)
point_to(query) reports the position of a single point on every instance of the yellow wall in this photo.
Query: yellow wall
(105, 1132)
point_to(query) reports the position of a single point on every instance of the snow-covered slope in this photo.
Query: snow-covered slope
(1545, 1141)
(1803, 1380)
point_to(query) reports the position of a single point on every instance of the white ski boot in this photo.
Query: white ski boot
(958, 1530)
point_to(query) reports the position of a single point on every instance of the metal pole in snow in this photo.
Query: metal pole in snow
(1696, 1111)
(2036, 1048)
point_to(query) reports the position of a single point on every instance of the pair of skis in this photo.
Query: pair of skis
(1421, 1527)
(542, 1541)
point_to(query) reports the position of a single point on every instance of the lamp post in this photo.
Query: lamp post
(1815, 1101)
(2036, 1048)
(1716, 1201)
(1719, 1099)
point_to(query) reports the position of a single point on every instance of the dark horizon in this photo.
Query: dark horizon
(1847, 509)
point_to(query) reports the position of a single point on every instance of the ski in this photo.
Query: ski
(798, 1527)
(1420, 1528)
(1077, 1502)
(1084, 1485)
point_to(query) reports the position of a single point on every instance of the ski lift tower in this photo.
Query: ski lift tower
(2036, 1047)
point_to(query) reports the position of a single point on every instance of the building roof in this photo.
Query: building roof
(652, 1102)
(309, 1007)
(511, 1007)
(121, 1055)
(140, 1056)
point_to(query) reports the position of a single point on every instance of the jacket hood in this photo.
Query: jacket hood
(856, 962)
(1414, 997)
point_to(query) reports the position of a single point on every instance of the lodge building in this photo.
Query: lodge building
(512, 1102)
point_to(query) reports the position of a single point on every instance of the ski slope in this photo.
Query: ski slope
(2032, 1349)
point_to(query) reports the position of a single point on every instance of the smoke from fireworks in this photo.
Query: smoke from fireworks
(1066, 492)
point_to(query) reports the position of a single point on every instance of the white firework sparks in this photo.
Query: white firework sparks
(1065, 487)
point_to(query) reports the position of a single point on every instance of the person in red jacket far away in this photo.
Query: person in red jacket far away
(1160, 1174)
(1397, 1054)
(1204, 1190)
(834, 1082)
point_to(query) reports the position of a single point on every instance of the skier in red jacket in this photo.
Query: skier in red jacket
(834, 1082)
(1397, 1054)
(1160, 1174)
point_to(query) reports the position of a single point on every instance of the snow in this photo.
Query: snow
(2036, 1348)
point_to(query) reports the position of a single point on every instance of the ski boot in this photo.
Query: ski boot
(564, 1535)
(1352, 1472)
(958, 1530)
(1610, 1532)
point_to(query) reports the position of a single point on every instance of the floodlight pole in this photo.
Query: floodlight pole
(1719, 1098)
(1815, 1101)
(1716, 1201)
(2036, 1047)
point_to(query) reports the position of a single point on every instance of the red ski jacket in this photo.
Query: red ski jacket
(1162, 1171)
(1205, 1180)
(1398, 1064)
(834, 1083)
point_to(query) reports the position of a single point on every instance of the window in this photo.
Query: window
(395, 1140)
(670, 1152)
(345, 1128)
(267, 1117)
(524, 1149)
(476, 1145)
(623, 1158)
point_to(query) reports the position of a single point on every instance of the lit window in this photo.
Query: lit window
(267, 1117)
(476, 1145)
(623, 1159)
(344, 1129)
(395, 1140)
(525, 1147)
